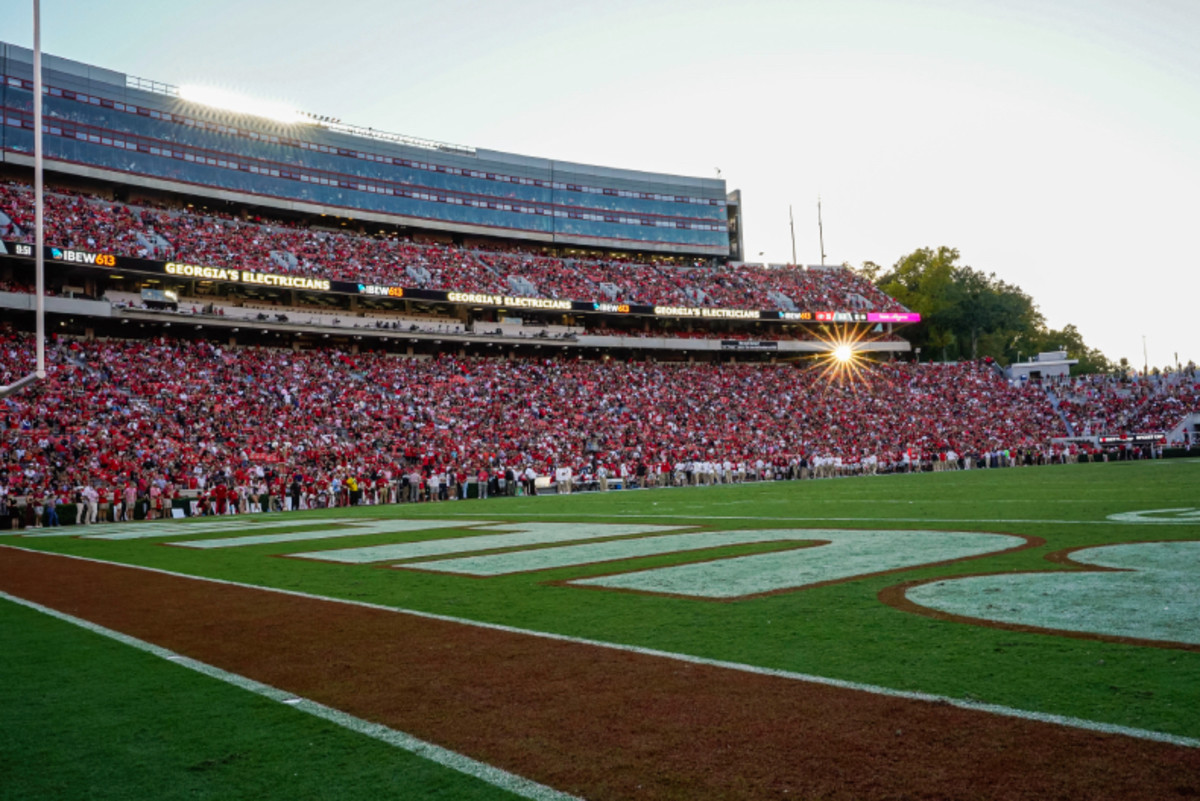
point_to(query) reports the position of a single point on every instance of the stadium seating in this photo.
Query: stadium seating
(186, 235)
(163, 415)
(1098, 405)
(195, 413)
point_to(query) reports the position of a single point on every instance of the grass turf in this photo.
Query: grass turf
(839, 631)
(88, 717)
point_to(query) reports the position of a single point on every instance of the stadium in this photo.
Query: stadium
(423, 470)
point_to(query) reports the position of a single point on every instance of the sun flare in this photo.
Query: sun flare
(842, 359)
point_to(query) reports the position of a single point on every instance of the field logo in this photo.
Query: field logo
(1184, 516)
(804, 558)
(835, 555)
(1140, 591)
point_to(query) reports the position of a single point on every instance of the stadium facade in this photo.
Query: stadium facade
(635, 264)
(102, 124)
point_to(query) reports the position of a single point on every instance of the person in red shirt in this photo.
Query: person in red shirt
(117, 505)
(102, 502)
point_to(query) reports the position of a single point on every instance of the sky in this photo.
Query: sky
(1055, 143)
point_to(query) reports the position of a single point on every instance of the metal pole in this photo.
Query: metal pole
(39, 257)
(821, 231)
(38, 199)
(792, 225)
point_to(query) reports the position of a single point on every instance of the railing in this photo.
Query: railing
(133, 82)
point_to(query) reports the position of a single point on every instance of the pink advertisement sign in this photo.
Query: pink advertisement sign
(893, 317)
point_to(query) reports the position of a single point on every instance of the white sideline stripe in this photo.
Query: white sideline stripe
(434, 753)
(995, 709)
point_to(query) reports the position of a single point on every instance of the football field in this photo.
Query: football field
(816, 639)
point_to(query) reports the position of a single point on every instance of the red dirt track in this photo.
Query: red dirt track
(599, 722)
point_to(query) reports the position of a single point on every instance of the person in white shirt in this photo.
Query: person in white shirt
(91, 499)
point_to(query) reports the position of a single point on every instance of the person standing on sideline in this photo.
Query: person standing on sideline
(104, 506)
(130, 493)
(293, 498)
(91, 499)
(155, 502)
(50, 501)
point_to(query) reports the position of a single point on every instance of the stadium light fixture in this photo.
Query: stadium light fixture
(226, 100)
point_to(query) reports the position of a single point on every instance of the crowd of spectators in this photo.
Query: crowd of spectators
(1097, 405)
(21, 287)
(207, 238)
(162, 416)
(17, 358)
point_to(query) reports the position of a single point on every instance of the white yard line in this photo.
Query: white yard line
(995, 709)
(511, 782)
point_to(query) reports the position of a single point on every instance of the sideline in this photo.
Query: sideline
(995, 709)
(497, 777)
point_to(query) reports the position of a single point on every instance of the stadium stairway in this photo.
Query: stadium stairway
(156, 246)
(286, 261)
(521, 286)
(782, 301)
(1054, 404)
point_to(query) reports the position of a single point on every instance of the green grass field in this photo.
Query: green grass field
(108, 721)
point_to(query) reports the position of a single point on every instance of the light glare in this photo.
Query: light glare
(842, 362)
(240, 104)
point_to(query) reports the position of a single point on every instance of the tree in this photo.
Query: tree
(967, 314)
(984, 309)
(920, 281)
(869, 271)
